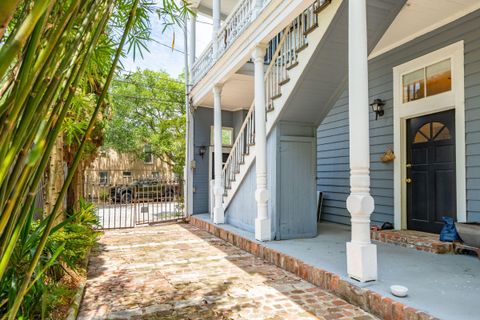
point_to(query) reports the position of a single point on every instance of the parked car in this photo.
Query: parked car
(145, 190)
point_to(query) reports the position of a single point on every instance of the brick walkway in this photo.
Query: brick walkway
(177, 271)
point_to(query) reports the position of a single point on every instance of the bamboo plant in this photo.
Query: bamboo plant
(47, 53)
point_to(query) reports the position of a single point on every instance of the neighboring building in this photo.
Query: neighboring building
(385, 123)
(112, 168)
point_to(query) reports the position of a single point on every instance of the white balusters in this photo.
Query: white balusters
(202, 64)
(286, 46)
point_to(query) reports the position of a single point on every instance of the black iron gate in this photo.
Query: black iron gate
(138, 198)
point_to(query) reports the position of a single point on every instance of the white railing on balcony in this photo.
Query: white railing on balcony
(203, 64)
(234, 25)
(293, 39)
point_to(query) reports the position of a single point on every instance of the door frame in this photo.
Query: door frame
(453, 99)
(210, 171)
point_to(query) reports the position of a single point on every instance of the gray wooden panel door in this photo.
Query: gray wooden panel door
(297, 217)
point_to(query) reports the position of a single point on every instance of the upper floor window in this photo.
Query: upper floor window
(147, 154)
(427, 81)
(127, 175)
(227, 136)
(103, 177)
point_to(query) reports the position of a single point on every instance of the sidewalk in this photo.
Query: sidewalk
(176, 271)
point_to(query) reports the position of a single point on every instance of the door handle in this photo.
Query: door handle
(409, 165)
(408, 180)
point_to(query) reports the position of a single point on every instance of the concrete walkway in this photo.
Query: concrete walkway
(176, 271)
(446, 286)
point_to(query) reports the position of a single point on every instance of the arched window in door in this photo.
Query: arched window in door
(435, 131)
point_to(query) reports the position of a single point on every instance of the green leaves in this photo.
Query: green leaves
(57, 59)
(148, 108)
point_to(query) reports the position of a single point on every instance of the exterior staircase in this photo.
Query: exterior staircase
(306, 75)
(289, 54)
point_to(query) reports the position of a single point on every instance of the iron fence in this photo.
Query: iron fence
(125, 201)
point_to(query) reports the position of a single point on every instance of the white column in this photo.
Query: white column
(192, 39)
(188, 172)
(361, 253)
(216, 25)
(263, 226)
(218, 214)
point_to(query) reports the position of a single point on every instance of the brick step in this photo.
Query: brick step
(418, 240)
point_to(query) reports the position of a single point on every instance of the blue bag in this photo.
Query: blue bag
(449, 232)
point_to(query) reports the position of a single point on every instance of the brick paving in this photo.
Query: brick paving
(177, 271)
(421, 241)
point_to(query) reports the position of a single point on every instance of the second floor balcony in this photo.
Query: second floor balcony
(235, 19)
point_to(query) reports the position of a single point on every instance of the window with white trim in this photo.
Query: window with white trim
(428, 81)
(227, 136)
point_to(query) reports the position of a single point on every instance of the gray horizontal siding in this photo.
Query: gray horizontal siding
(333, 139)
(203, 122)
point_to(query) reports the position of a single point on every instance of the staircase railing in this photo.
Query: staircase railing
(246, 135)
(293, 39)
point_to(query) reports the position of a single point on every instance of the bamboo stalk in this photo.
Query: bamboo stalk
(14, 200)
(9, 51)
(7, 9)
(51, 218)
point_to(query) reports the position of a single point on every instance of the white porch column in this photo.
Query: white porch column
(216, 25)
(218, 214)
(263, 226)
(192, 39)
(361, 253)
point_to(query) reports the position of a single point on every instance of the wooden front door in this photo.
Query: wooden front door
(431, 177)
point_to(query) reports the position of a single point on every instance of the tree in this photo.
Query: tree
(46, 53)
(148, 108)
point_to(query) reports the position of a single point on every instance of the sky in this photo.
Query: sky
(161, 56)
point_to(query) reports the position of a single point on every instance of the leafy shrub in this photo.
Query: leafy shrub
(103, 195)
(65, 250)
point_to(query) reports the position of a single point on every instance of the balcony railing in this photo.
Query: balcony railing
(241, 17)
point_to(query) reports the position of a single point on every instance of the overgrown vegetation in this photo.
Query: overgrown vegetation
(60, 266)
(54, 56)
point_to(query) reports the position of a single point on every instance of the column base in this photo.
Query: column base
(362, 261)
(263, 229)
(218, 215)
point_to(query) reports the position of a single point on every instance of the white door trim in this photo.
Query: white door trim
(454, 99)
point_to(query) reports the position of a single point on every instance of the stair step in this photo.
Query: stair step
(302, 47)
(281, 83)
(278, 95)
(293, 65)
(311, 29)
(323, 6)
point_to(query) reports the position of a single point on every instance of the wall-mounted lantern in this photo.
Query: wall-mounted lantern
(202, 150)
(377, 107)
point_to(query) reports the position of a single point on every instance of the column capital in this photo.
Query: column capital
(259, 52)
(217, 89)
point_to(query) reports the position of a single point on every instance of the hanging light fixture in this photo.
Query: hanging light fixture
(377, 107)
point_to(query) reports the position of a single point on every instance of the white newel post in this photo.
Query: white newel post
(218, 213)
(361, 253)
(193, 39)
(216, 25)
(263, 224)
